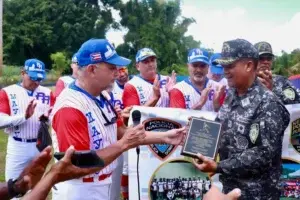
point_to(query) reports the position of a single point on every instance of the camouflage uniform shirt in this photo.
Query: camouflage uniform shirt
(251, 142)
(285, 91)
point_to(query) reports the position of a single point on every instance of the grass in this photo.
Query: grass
(3, 142)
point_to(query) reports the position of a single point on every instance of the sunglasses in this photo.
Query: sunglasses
(123, 69)
(37, 79)
(268, 58)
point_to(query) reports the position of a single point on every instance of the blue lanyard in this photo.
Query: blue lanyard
(99, 102)
(188, 81)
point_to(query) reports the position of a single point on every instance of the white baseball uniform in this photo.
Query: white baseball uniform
(116, 99)
(62, 83)
(145, 89)
(21, 146)
(77, 120)
(191, 95)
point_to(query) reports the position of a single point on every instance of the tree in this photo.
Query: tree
(157, 25)
(38, 28)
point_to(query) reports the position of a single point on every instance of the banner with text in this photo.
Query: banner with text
(161, 165)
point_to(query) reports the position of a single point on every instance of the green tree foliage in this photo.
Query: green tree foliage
(60, 62)
(37, 28)
(157, 25)
(287, 64)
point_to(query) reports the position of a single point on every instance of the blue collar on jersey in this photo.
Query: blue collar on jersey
(139, 75)
(120, 86)
(99, 102)
(188, 81)
(29, 92)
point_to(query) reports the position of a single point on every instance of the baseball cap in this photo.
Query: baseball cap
(234, 50)
(198, 55)
(216, 68)
(144, 53)
(74, 58)
(264, 48)
(35, 69)
(99, 50)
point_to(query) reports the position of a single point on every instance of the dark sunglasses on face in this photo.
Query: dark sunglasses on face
(268, 58)
(37, 79)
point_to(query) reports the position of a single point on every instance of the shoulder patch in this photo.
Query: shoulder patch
(289, 93)
(254, 132)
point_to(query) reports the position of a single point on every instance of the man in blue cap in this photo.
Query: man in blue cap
(197, 91)
(65, 81)
(21, 105)
(148, 88)
(216, 70)
(81, 118)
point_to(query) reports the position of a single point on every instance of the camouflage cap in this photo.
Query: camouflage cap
(234, 50)
(264, 48)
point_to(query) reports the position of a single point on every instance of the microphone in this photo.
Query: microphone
(136, 117)
(136, 120)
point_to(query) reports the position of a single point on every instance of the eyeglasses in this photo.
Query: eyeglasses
(114, 119)
(268, 58)
(123, 69)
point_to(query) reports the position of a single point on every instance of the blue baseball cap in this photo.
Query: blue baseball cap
(35, 69)
(99, 50)
(144, 53)
(214, 67)
(198, 55)
(74, 58)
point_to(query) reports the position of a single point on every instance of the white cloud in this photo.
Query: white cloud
(214, 26)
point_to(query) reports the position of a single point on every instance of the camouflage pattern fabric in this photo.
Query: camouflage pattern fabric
(285, 90)
(251, 142)
(234, 50)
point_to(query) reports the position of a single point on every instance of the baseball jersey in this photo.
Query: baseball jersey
(160, 186)
(62, 83)
(207, 184)
(15, 100)
(186, 95)
(77, 120)
(138, 91)
(224, 81)
(118, 93)
(154, 186)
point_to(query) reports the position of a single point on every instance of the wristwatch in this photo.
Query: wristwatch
(12, 190)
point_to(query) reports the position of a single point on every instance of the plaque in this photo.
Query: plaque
(202, 137)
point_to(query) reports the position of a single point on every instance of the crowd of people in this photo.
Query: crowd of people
(89, 110)
(179, 188)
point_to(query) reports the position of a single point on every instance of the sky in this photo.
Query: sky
(275, 21)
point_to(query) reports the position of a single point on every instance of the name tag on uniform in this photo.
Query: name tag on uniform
(245, 102)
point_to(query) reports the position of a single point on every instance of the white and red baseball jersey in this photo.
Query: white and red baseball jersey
(62, 83)
(186, 95)
(117, 94)
(14, 101)
(138, 91)
(224, 81)
(77, 120)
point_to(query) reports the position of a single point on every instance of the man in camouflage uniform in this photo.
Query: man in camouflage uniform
(280, 85)
(253, 122)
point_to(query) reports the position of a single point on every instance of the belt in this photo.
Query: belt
(101, 178)
(25, 140)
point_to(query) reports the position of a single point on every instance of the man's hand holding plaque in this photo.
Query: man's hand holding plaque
(202, 143)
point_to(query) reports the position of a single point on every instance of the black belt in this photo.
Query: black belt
(25, 140)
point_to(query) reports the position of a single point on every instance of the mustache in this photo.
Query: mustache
(197, 74)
